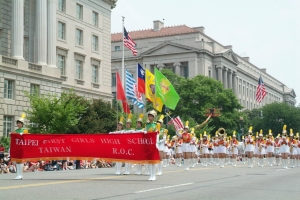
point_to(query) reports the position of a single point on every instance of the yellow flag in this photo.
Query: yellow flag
(150, 91)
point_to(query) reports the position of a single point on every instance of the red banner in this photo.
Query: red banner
(132, 148)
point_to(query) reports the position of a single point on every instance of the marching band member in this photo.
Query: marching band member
(178, 149)
(260, 143)
(193, 148)
(119, 130)
(215, 150)
(222, 146)
(161, 144)
(255, 149)
(243, 150)
(227, 155)
(249, 147)
(139, 127)
(298, 150)
(128, 129)
(270, 148)
(234, 149)
(151, 127)
(277, 150)
(166, 151)
(186, 138)
(20, 130)
(293, 148)
(205, 145)
(210, 151)
(284, 147)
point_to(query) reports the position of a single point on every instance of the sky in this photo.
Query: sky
(267, 31)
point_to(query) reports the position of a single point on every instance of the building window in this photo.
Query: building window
(94, 74)
(79, 37)
(34, 89)
(8, 89)
(61, 64)
(95, 19)
(79, 11)
(61, 5)
(117, 48)
(7, 125)
(61, 30)
(95, 43)
(79, 69)
(113, 80)
(185, 71)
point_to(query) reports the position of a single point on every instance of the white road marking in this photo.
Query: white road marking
(160, 188)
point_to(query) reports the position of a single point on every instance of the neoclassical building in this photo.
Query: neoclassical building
(190, 52)
(48, 46)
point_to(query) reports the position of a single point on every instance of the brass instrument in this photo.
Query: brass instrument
(221, 131)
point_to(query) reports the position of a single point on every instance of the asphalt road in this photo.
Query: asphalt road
(200, 182)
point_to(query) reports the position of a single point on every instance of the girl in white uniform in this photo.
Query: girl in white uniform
(205, 152)
(284, 147)
(215, 149)
(261, 146)
(270, 148)
(298, 150)
(277, 150)
(249, 147)
(161, 144)
(222, 146)
(178, 150)
(293, 149)
(234, 148)
(193, 148)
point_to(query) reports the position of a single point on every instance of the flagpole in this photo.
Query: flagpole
(123, 74)
(116, 97)
(261, 114)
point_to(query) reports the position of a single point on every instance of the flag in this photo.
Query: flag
(141, 79)
(121, 95)
(177, 123)
(165, 90)
(132, 91)
(150, 91)
(260, 90)
(129, 43)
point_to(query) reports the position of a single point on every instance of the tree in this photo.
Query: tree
(99, 117)
(53, 114)
(201, 93)
(275, 115)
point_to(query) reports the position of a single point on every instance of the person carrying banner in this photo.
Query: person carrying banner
(139, 127)
(128, 129)
(161, 144)
(151, 127)
(20, 130)
(119, 130)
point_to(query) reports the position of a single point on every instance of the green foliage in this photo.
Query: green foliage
(99, 117)
(5, 141)
(200, 93)
(275, 115)
(53, 114)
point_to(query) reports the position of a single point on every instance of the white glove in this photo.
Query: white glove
(21, 133)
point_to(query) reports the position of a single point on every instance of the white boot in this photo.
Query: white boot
(284, 163)
(118, 169)
(138, 169)
(160, 166)
(165, 162)
(153, 172)
(222, 161)
(292, 163)
(217, 161)
(251, 162)
(277, 161)
(234, 162)
(186, 163)
(19, 171)
(147, 171)
(150, 172)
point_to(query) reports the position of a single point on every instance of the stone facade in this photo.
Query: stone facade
(37, 54)
(190, 52)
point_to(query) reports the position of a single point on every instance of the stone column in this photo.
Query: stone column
(41, 31)
(225, 82)
(220, 74)
(52, 33)
(234, 83)
(17, 31)
(177, 68)
(230, 79)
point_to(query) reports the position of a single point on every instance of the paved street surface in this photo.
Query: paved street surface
(200, 182)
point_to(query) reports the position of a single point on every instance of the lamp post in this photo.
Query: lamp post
(241, 127)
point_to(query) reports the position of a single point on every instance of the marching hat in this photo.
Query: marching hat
(152, 112)
(261, 133)
(284, 130)
(297, 136)
(161, 119)
(278, 136)
(129, 118)
(22, 118)
(233, 135)
(121, 120)
(291, 132)
(204, 134)
(250, 130)
(187, 125)
(193, 130)
(140, 119)
(270, 132)
(256, 134)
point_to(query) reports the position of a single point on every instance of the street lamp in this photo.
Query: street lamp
(241, 127)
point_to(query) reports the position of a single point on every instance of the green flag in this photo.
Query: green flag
(165, 90)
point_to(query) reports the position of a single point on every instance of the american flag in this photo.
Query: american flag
(177, 123)
(129, 43)
(261, 90)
